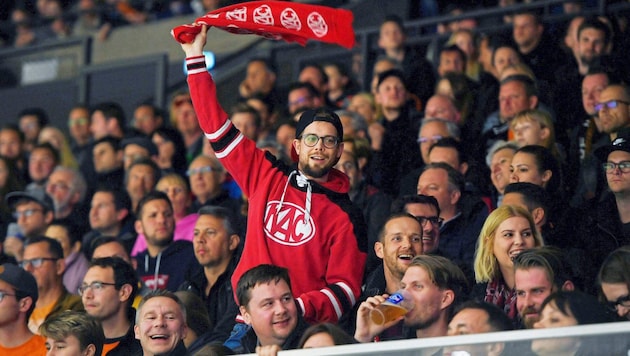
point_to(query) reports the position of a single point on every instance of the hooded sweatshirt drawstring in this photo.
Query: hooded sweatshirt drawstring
(301, 182)
(157, 268)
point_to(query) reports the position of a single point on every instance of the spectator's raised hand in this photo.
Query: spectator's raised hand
(195, 48)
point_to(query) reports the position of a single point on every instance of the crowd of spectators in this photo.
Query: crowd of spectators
(26, 22)
(494, 169)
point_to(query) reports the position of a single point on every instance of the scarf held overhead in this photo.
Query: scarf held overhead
(277, 20)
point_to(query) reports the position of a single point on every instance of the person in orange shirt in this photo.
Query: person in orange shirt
(18, 295)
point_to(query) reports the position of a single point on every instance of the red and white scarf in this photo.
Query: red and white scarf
(278, 20)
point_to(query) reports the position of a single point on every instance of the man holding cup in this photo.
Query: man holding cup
(434, 284)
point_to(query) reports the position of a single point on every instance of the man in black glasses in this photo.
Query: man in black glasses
(18, 295)
(108, 291)
(605, 225)
(33, 211)
(300, 216)
(43, 258)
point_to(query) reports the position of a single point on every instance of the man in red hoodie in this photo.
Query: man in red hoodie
(300, 217)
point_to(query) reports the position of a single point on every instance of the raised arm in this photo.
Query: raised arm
(195, 48)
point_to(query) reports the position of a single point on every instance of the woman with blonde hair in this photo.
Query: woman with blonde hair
(508, 231)
(58, 140)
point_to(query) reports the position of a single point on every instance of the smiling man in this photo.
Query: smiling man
(267, 304)
(538, 273)
(161, 324)
(399, 241)
(300, 212)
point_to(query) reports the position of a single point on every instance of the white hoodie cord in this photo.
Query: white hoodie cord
(301, 182)
(157, 268)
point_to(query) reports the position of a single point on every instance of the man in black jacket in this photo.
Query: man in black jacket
(112, 304)
(215, 242)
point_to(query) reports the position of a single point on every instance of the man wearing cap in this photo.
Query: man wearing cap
(605, 225)
(33, 211)
(135, 148)
(300, 217)
(19, 295)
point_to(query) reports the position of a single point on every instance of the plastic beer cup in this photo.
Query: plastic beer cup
(398, 304)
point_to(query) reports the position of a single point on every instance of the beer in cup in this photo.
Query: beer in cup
(398, 304)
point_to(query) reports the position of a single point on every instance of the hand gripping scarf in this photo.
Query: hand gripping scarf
(277, 20)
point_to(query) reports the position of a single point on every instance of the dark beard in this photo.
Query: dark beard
(309, 172)
(422, 324)
(161, 242)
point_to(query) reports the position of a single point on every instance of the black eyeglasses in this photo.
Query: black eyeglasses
(36, 262)
(96, 287)
(624, 301)
(609, 167)
(611, 104)
(311, 140)
(3, 294)
(434, 220)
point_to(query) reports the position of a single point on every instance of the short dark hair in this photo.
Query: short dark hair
(144, 161)
(317, 67)
(338, 335)
(113, 110)
(54, 247)
(304, 85)
(39, 113)
(497, 319)
(455, 179)
(243, 108)
(230, 222)
(103, 240)
(615, 268)
(595, 23)
(50, 148)
(14, 128)
(121, 198)
(450, 142)
(533, 195)
(72, 229)
(381, 234)
(264, 273)
(585, 308)
(400, 204)
(111, 140)
(453, 48)
(549, 258)
(269, 65)
(531, 87)
(123, 274)
(152, 195)
(395, 19)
